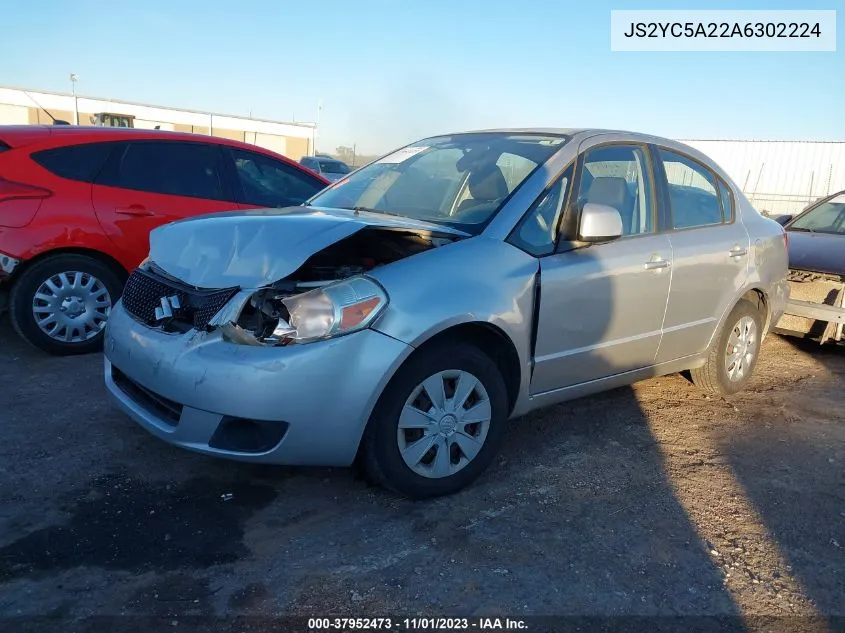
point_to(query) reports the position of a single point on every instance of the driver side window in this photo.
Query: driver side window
(618, 176)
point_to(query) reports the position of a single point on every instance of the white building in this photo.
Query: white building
(780, 177)
(18, 106)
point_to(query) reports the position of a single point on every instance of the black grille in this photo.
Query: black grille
(167, 410)
(144, 291)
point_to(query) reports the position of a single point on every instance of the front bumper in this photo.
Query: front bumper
(185, 388)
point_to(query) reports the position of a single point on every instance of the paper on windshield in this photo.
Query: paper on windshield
(401, 155)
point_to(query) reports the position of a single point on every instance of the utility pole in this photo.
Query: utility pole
(73, 79)
(316, 125)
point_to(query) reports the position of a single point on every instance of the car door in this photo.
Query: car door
(263, 181)
(601, 307)
(148, 183)
(710, 248)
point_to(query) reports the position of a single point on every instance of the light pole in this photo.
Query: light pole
(316, 125)
(73, 79)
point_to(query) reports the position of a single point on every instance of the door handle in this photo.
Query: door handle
(133, 209)
(655, 264)
(738, 251)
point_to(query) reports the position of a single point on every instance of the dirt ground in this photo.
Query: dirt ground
(651, 501)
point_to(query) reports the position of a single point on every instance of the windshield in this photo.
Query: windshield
(460, 180)
(828, 217)
(333, 167)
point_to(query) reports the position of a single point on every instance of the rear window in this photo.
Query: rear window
(76, 162)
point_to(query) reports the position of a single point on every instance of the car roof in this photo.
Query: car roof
(34, 133)
(21, 135)
(584, 133)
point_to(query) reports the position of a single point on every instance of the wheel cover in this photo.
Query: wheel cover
(741, 349)
(71, 307)
(444, 423)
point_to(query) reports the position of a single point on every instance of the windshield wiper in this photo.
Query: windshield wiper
(371, 210)
(801, 229)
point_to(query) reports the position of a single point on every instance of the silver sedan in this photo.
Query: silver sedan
(406, 313)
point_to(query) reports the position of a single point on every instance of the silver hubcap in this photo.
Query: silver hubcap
(71, 307)
(742, 348)
(444, 423)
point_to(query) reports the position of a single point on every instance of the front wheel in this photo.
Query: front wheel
(61, 303)
(439, 422)
(734, 354)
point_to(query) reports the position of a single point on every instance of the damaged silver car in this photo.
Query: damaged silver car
(406, 313)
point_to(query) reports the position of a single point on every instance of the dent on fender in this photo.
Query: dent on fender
(451, 293)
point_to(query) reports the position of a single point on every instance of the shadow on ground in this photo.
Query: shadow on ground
(578, 516)
(793, 474)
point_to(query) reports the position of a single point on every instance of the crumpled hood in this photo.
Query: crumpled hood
(817, 252)
(251, 249)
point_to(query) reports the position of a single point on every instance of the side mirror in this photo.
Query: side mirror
(782, 219)
(599, 223)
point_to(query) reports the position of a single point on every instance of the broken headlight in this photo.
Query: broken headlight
(276, 316)
(331, 310)
(339, 308)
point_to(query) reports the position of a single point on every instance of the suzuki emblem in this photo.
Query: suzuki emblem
(168, 305)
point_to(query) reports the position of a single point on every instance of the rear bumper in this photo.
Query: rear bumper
(815, 308)
(779, 299)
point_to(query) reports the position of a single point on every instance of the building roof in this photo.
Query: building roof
(119, 102)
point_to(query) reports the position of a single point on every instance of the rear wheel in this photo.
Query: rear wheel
(734, 355)
(61, 303)
(438, 424)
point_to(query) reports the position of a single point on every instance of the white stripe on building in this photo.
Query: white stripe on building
(21, 107)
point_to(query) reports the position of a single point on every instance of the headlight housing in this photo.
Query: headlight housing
(339, 308)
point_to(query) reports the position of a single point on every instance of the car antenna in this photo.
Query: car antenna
(44, 110)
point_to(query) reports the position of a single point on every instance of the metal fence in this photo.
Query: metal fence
(780, 177)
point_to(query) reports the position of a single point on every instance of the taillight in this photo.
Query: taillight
(786, 240)
(18, 191)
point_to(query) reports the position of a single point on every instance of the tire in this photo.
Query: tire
(75, 332)
(449, 364)
(715, 377)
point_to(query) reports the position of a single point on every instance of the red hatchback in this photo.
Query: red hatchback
(77, 205)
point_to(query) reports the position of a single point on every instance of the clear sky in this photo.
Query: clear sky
(391, 71)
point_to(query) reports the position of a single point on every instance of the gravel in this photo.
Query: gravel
(647, 501)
